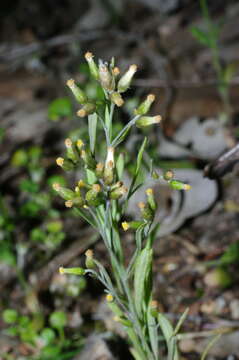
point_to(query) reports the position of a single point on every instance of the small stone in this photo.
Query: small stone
(234, 308)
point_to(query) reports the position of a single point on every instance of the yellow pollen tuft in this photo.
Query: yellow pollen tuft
(86, 207)
(60, 161)
(77, 189)
(89, 253)
(125, 225)
(154, 304)
(81, 113)
(68, 142)
(70, 83)
(158, 118)
(81, 183)
(56, 186)
(109, 298)
(80, 143)
(186, 187)
(141, 205)
(61, 270)
(151, 97)
(88, 55)
(69, 203)
(96, 188)
(116, 71)
(149, 191)
(133, 67)
(100, 166)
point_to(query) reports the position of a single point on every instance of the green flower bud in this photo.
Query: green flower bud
(145, 121)
(151, 201)
(154, 308)
(118, 193)
(71, 151)
(168, 175)
(106, 79)
(87, 109)
(89, 262)
(92, 65)
(145, 106)
(88, 159)
(113, 306)
(77, 92)
(117, 99)
(73, 271)
(146, 211)
(132, 225)
(99, 170)
(66, 164)
(125, 81)
(78, 201)
(109, 167)
(94, 197)
(178, 185)
(63, 192)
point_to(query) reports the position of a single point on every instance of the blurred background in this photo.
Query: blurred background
(187, 53)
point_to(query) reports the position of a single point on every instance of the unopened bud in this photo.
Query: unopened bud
(125, 81)
(77, 92)
(89, 262)
(99, 170)
(73, 271)
(115, 71)
(146, 211)
(151, 200)
(94, 197)
(154, 305)
(88, 159)
(71, 151)
(145, 106)
(109, 298)
(106, 79)
(179, 185)
(125, 225)
(87, 109)
(168, 175)
(117, 99)
(118, 193)
(92, 65)
(145, 121)
(79, 144)
(66, 165)
(65, 193)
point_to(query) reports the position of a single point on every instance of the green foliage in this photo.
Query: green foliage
(210, 37)
(58, 319)
(60, 108)
(101, 199)
(48, 342)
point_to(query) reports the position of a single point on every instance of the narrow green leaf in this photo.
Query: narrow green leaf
(86, 217)
(168, 332)
(201, 36)
(209, 346)
(181, 321)
(108, 123)
(140, 156)
(91, 178)
(143, 280)
(120, 166)
(92, 126)
(153, 333)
